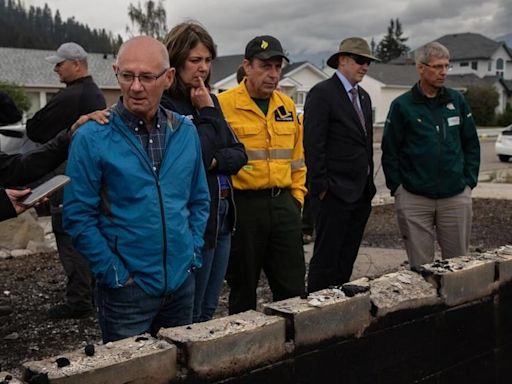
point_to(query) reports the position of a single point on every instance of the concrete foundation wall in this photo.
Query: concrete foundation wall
(449, 322)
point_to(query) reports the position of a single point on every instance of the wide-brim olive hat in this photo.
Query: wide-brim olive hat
(353, 45)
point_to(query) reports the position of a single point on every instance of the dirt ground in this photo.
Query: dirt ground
(35, 283)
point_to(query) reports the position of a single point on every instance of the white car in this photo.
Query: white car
(14, 140)
(503, 144)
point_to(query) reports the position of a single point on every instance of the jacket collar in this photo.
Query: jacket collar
(133, 121)
(80, 80)
(244, 100)
(443, 97)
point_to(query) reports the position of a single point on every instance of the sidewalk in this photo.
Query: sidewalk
(370, 262)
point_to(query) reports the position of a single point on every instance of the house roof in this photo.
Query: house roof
(463, 46)
(389, 74)
(406, 75)
(467, 46)
(224, 66)
(291, 67)
(28, 67)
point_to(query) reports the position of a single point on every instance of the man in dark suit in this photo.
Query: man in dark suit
(339, 158)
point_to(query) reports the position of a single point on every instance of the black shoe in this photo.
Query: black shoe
(64, 311)
(5, 310)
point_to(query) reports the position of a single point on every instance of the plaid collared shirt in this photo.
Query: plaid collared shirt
(152, 141)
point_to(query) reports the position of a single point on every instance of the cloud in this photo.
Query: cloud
(306, 26)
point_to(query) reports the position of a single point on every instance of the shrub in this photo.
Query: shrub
(483, 101)
(17, 94)
(505, 118)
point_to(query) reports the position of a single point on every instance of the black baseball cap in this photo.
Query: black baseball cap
(264, 48)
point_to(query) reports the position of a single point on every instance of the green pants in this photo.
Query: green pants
(268, 236)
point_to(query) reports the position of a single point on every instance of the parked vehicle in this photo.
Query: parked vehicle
(503, 144)
(14, 140)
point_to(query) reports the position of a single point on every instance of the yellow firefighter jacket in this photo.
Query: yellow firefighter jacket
(273, 143)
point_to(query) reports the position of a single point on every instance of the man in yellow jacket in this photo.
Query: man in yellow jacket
(269, 190)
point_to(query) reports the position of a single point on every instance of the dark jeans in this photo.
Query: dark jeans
(268, 235)
(339, 229)
(80, 281)
(210, 277)
(129, 311)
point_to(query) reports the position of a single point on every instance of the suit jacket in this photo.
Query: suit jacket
(6, 208)
(338, 152)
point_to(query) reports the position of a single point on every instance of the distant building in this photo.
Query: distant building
(29, 69)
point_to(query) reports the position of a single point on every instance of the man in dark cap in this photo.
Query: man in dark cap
(339, 155)
(81, 96)
(269, 190)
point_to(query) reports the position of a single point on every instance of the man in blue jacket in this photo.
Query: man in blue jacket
(138, 203)
(431, 158)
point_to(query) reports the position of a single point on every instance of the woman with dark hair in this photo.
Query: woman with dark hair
(191, 51)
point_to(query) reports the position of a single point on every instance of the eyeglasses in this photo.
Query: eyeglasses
(361, 60)
(128, 78)
(439, 67)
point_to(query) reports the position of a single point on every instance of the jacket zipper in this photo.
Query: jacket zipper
(162, 216)
(164, 231)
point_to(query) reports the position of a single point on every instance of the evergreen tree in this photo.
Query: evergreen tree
(150, 19)
(37, 28)
(392, 44)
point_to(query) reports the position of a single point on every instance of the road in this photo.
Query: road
(489, 162)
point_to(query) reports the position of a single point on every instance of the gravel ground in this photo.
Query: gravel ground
(32, 284)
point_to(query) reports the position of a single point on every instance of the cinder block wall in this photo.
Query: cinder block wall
(449, 322)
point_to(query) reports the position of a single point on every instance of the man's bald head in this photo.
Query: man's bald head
(146, 44)
(143, 74)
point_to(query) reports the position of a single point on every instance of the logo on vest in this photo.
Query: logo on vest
(281, 114)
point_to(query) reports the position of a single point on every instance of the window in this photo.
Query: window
(464, 64)
(499, 67)
(301, 98)
(474, 65)
(489, 66)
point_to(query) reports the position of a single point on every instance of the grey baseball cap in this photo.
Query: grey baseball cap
(68, 51)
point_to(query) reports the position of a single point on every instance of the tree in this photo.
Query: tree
(36, 28)
(505, 118)
(483, 101)
(17, 94)
(392, 44)
(150, 19)
(373, 46)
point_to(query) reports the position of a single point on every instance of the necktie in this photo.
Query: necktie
(354, 95)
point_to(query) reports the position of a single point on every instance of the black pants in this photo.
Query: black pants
(308, 221)
(339, 229)
(268, 235)
(80, 282)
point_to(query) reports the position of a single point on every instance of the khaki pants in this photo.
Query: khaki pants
(420, 219)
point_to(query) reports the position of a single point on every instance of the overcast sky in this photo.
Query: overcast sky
(305, 26)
